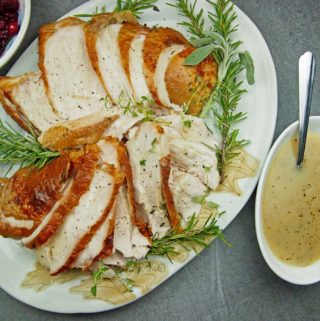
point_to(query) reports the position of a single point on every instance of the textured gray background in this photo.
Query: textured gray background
(222, 283)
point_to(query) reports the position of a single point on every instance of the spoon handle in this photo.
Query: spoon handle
(307, 65)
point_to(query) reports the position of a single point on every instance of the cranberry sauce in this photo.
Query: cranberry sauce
(9, 25)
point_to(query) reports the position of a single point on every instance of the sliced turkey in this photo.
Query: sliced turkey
(25, 100)
(104, 51)
(110, 151)
(184, 187)
(146, 146)
(190, 85)
(74, 133)
(81, 224)
(127, 238)
(27, 197)
(73, 87)
(84, 164)
(156, 42)
(196, 159)
(192, 147)
(190, 128)
(131, 42)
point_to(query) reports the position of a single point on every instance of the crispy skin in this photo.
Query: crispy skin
(45, 32)
(7, 85)
(118, 178)
(127, 34)
(92, 30)
(190, 84)
(156, 41)
(74, 133)
(84, 164)
(175, 218)
(30, 194)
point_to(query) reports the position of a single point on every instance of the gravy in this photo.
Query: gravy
(291, 204)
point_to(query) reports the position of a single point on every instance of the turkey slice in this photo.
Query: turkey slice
(146, 146)
(24, 98)
(156, 46)
(188, 127)
(83, 165)
(131, 42)
(104, 51)
(74, 133)
(27, 197)
(79, 227)
(73, 87)
(191, 85)
(100, 240)
(196, 159)
(184, 187)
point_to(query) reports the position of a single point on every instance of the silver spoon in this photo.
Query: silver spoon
(307, 65)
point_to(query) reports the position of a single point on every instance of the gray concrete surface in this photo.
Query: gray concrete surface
(222, 283)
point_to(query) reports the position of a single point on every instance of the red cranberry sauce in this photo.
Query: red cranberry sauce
(9, 25)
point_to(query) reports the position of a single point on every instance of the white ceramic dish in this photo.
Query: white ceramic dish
(260, 104)
(15, 42)
(293, 274)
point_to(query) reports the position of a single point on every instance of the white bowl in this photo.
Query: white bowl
(15, 42)
(293, 274)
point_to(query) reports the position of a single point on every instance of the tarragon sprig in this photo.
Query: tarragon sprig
(217, 40)
(24, 150)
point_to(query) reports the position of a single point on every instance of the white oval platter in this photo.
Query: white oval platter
(261, 105)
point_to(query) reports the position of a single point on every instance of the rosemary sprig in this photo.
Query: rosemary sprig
(135, 6)
(188, 238)
(25, 150)
(217, 40)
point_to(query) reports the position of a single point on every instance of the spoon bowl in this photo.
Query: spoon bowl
(293, 274)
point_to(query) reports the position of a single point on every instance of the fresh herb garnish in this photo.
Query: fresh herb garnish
(97, 276)
(24, 150)
(153, 145)
(135, 6)
(187, 123)
(143, 162)
(217, 41)
(188, 238)
(202, 200)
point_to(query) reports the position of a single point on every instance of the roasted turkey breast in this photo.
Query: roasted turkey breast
(124, 178)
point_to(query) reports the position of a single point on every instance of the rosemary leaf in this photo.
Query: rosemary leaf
(189, 238)
(24, 150)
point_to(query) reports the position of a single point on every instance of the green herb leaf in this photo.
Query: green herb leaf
(93, 290)
(188, 238)
(97, 276)
(187, 123)
(199, 55)
(201, 42)
(247, 62)
(24, 150)
(200, 199)
(212, 205)
(135, 6)
(143, 162)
